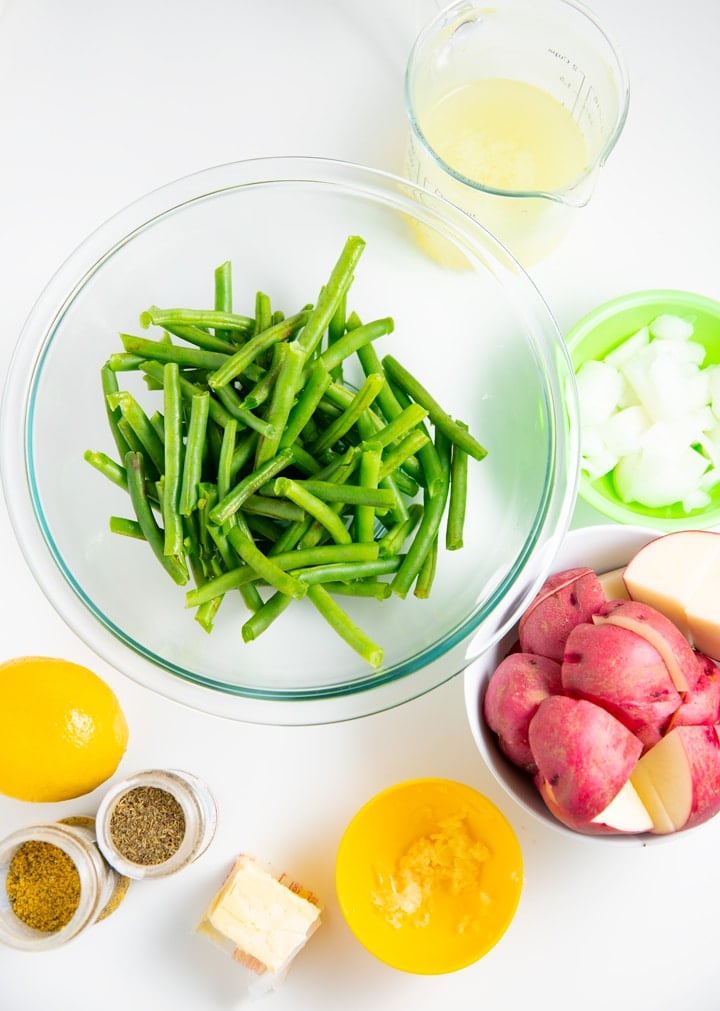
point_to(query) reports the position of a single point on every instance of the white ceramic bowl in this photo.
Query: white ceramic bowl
(603, 547)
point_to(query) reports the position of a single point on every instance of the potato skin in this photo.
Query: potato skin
(564, 600)
(583, 753)
(517, 687)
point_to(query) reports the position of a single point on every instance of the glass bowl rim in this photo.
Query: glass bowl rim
(94, 628)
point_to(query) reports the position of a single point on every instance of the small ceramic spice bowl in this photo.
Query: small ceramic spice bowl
(156, 822)
(54, 883)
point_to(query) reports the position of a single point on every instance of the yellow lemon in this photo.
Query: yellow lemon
(62, 731)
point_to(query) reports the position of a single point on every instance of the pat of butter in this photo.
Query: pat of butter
(266, 919)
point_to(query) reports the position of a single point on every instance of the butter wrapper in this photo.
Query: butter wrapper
(263, 919)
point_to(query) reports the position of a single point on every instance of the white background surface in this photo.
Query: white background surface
(100, 102)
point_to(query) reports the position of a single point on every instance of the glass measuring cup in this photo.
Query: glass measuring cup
(514, 106)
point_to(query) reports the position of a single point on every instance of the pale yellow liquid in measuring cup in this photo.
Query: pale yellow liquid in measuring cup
(506, 135)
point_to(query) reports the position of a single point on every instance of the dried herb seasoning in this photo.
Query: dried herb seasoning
(147, 825)
(43, 886)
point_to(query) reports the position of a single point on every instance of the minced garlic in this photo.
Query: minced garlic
(445, 862)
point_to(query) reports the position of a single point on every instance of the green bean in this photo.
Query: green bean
(194, 445)
(346, 571)
(102, 462)
(244, 450)
(173, 459)
(392, 542)
(161, 351)
(202, 338)
(318, 381)
(290, 359)
(249, 351)
(315, 507)
(188, 389)
(222, 278)
(138, 420)
(458, 498)
(342, 425)
(426, 575)
(126, 527)
(370, 362)
(227, 450)
(396, 455)
(457, 434)
(261, 389)
(351, 494)
(196, 317)
(369, 479)
(360, 588)
(354, 339)
(345, 627)
(232, 404)
(110, 385)
(275, 508)
(173, 565)
(434, 502)
(264, 567)
(124, 361)
(263, 312)
(336, 329)
(261, 620)
(331, 294)
(231, 502)
(402, 424)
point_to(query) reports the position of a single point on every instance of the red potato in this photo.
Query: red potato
(701, 705)
(623, 672)
(517, 687)
(678, 780)
(564, 600)
(584, 757)
(679, 656)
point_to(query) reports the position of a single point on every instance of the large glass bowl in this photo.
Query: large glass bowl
(468, 322)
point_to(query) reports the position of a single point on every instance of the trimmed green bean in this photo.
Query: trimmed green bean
(392, 542)
(196, 317)
(102, 462)
(440, 418)
(173, 459)
(126, 527)
(161, 351)
(351, 494)
(354, 339)
(249, 485)
(342, 425)
(194, 446)
(264, 567)
(258, 343)
(340, 621)
(173, 565)
(261, 620)
(331, 294)
(458, 498)
(290, 360)
(315, 507)
(318, 381)
(365, 511)
(138, 420)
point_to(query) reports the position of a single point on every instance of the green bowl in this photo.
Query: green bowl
(602, 330)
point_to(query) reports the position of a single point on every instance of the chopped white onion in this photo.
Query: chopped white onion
(651, 415)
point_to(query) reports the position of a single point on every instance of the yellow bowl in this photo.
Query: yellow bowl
(428, 875)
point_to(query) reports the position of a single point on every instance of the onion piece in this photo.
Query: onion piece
(651, 416)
